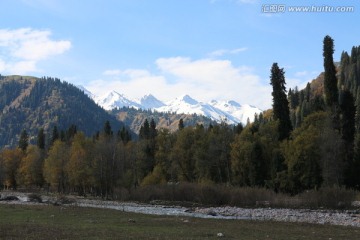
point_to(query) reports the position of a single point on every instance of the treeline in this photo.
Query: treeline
(108, 161)
(309, 140)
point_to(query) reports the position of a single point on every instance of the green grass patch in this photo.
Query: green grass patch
(51, 222)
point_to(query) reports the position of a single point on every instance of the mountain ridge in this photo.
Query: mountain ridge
(228, 111)
(30, 103)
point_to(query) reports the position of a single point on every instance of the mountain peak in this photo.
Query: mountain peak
(115, 93)
(233, 103)
(148, 97)
(186, 98)
(115, 99)
(149, 101)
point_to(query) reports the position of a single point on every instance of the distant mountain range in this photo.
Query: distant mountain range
(228, 111)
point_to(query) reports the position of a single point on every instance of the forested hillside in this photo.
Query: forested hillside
(134, 118)
(28, 103)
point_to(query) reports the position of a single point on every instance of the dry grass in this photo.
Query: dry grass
(50, 222)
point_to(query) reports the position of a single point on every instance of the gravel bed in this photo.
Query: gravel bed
(333, 217)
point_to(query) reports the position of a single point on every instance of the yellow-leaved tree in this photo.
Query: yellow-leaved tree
(79, 168)
(10, 159)
(54, 166)
(31, 166)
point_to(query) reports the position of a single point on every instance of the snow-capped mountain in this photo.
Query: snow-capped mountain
(228, 111)
(186, 104)
(114, 100)
(150, 102)
(240, 112)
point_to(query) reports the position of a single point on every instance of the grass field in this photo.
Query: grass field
(59, 222)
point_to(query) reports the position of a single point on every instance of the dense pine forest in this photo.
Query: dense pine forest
(309, 140)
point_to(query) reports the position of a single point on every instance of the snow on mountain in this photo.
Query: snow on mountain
(150, 102)
(222, 111)
(87, 92)
(240, 112)
(228, 111)
(114, 100)
(183, 104)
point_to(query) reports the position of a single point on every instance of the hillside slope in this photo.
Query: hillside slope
(31, 103)
(134, 118)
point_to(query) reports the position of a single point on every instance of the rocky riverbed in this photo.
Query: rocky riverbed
(333, 217)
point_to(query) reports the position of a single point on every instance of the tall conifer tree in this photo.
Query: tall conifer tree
(330, 81)
(107, 129)
(24, 140)
(55, 134)
(280, 101)
(41, 139)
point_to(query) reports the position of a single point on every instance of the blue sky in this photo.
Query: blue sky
(209, 49)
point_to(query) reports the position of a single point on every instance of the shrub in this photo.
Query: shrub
(217, 195)
(64, 200)
(335, 197)
(32, 197)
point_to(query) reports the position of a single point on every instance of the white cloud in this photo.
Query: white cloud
(2, 65)
(135, 88)
(112, 72)
(128, 73)
(22, 67)
(222, 52)
(21, 49)
(204, 79)
(137, 73)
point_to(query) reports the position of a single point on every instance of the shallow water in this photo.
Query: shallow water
(152, 209)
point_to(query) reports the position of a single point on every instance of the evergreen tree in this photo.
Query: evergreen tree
(354, 51)
(345, 59)
(145, 130)
(348, 110)
(62, 136)
(238, 128)
(280, 102)
(71, 132)
(344, 63)
(24, 140)
(107, 129)
(55, 135)
(307, 92)
(181, 124)
(347, 121)
(124, 135)
(153, 131)
(41, 139)
(330, 81)
(354, 168)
